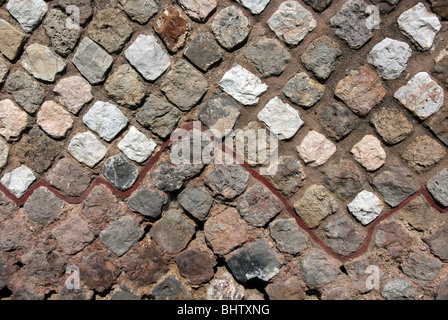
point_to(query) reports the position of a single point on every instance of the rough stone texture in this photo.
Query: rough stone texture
(420, 214)
(26, 91)
(196, 265)
(74, 93)
(173, 231)
(392, 125)
(203, 52)
(121, 235)
(291, 22)
(290, 175)
(422, 95)
(342, 236)
(4, 153)
(442, 289)
(269, 56)
(423, 153)
(12, 121)
(11, 40)
(317, 270)
(69, 177)
(315, 205)
(394, 237)
(421, 266)
(318, 5)
(167, 177)
(369, 153)
(15, 235)
(350, 24)
(198, 10)
(73, 235)
(281, 119)
(148, 57)
(63, 39)
(420, 26)
(440, 69)
(85, 8)
(173, 27)
(230, 27)
(255, 6)
(438, 187)
(29, 13)
(437, 243)
(289, 289)
(361, 90)
(196, 201)
(105, 119)
(99, 273)
(254, 261)
(320, 57)
(398, 289)
(153, 208)
(287, 235)
(43, 207)
(227, 181)
(92, 61)
(140, 10)
(225, 288)
(4, 70)
(316, 149)
(303, 91)
(438, 125)
(136, 146)
(171, 289)
(18, 181)
(87, 149)
(440, 7)
(343, 178)
(184, 86)
(54, 119)
(125, 87)
(258, 206)
(396, 184)
(120, 172)
(337, 121)
(42, 63)
(390, 58)
(366, 207)
(242, 85)
(158, 116)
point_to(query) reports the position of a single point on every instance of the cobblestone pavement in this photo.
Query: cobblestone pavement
(93, 205)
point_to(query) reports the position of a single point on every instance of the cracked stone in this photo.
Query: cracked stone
(394, 237)
(290, 176)
(196, 201)
(320, 57)
(69, 177)
(26, 91)
(303, 91)
(125, 87)
(198, 10)
(437, 243)
(230, 27)
(18, 181)
(74, 93)
(227, 181)
(43, 207)
(342, 236)
(54, 119)
(366, 207)
(203, 52)
(28, 13)
(120, 172)
(136, 146)
(361, 90)
(11, 40)
(197, 265)
(153, 209)
(316, 149)
(369, 153)
(423, 153)
(255, 6)
(317, 270)
(73, 235)
(87, 149)
(438, 187)
(140, 10)
(121, 235)
(392, 125)
(292, 22)
(398, 289)
(288, 236)
(343, 178)
(318, 5)
(12, 121)
(167, 177)
(173, 28)
(337, 121)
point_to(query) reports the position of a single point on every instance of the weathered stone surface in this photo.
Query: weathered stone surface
(13, 120)
(4, 70)
(43, 207)
(392, 125)
(171, 289)
(318, 5)
(227, 181)
(366, 207)
(15, 235)
(423, 153)
(136, 146)
(281, 119)
(419, 25)
(269, 56)
(303, 91)
(438, 187)
(110, 29)
(258, 206)
(69, 177)
(98, 272)
(148, 57)
(198, 10)
(288, 236)
(121, 235)
(390, 58)
(342, 236)
(395, 183)
(74, 93)
(203, 52)
(73, 235)
(120, 172)
(54, 119)
(350, 23)
(317, 270)
(398, 289)
(316, 149)
(440, 69)
(289, 289)
(140, 10)
(290, 175)
(167, 177)
(92, 61)
(394, 237)
(18, 181)
(440, 7)
(11, 40)
(63, 38)
(242, 85)
(437, 243)
(85, 8)
(196, 265)
(422, 95)
(421, 266)
(230, 27)
(369, 153)
(225, 288)
(421, 215)
(255, 6)
(196, 201)
(87, 149)
(219, 114)
(343, 178)
(42, 63)
(320, 57)
(291, 22)
(173, 231)
(105, 119)
(148, 202)
(184, 86)
(438, 124)
(442, 289)
(337, 121)
(227, 231)
(254, 261)
(125, 87)
(4, 153)
(124, 294)
(28, 13)
(315, 205)
(25, 90)
(361, 90)
(173, 27)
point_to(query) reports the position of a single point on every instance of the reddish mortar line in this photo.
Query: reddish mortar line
(255, 174)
